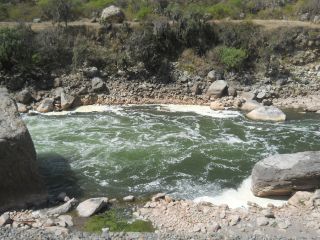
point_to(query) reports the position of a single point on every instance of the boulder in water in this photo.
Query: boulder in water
(284, 173)
(267, 113)
(20, 182)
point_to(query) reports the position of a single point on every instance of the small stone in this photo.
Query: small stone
(270, 205)
(61, 196)
(5, 219)
(158, 197)
(267, 213)
(206, 209)
(213, 227)
(234, 219)
(262, 221)
(196, 229)
(129, 198)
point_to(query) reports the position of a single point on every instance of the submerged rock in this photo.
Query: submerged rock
(284, 173)
(267, 113)
(20, 182)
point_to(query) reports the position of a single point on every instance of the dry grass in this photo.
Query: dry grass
(268, 24)
(273, 24)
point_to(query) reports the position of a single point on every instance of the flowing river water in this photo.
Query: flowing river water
(188, 152)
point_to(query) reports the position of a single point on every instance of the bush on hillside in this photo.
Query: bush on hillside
(231, 58)
(144, 13)
(220, 11)
(17, 48)
(96, 6)
(3, 12)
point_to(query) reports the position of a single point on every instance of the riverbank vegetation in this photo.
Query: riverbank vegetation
(218, 9)
(176, 31)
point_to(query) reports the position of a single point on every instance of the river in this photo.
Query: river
(188, 152)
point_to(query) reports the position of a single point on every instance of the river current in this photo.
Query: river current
(188, 152)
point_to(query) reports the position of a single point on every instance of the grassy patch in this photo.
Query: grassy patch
(117, 221)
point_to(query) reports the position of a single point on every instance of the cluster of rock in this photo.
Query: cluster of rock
(91, 86)
(295, 219)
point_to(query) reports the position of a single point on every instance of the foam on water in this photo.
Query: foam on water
(240, 197)
(202, 110)
(87, 109)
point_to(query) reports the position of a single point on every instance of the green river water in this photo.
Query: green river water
(143, 150)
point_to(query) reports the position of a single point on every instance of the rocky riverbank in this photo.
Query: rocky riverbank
(184, 219)
(91, 86)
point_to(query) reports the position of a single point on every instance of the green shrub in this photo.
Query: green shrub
(80, 51)
(144, 13)
(23, 11)
(220, 11)
(3, 12)
(17, 47)
(97, 6)
(231, 58)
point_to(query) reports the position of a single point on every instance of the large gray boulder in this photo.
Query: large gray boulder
(217, 88)
(91, 206)
(284, 173)
(20, 182)
(98, 84)
(24, 96)
(113, 14)
(46, 105)
(267, 113)
(66, 100)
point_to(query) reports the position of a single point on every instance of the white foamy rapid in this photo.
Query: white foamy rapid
(240, 197)
(88, 109)
(202, 110)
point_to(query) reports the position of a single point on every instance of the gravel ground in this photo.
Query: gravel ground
(12, 233)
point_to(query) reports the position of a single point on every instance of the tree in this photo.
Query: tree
(60, 10)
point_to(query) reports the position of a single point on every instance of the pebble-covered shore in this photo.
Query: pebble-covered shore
(184, 219)
(11, 233)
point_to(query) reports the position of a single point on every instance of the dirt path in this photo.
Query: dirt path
(268, 24)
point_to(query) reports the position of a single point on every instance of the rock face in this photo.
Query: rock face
(20, 182)
(281, 174)
(267, 113)
(91, 206)
(113, 14)
(217, 88)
